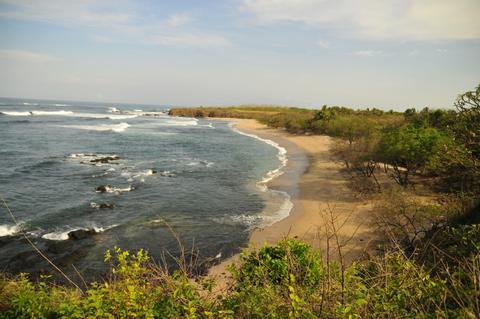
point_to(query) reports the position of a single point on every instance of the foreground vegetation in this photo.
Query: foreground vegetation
(288, 280)
(429, 266)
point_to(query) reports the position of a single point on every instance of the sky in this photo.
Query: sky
(390, 54)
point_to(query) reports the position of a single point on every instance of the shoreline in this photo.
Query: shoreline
(319, 191)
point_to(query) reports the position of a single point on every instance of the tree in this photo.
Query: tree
(409, 149)
(468, 124)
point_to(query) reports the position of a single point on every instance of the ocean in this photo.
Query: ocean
(83, 177)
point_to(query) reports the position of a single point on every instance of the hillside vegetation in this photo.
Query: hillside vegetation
(429, 266)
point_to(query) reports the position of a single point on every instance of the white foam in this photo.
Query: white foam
(287, 204)
(90, 156)
(113, 110)
(102, 229)
(14, 113)
(104, 116)
(117, 190)
(121, 190)
(63, 234)
(196, 162)
(143, 113)
(38, 113)
(282, 212)
(167, 174)
(118, 128)
(48, 113)
(8, 230)
(137, 175)
(58, 235)
(179, 121)
(210, 125)
(70, 114)
(247, 220)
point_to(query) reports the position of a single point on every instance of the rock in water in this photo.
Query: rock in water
(104, 188)
(105, 160)
(81, 233)
(106, 205)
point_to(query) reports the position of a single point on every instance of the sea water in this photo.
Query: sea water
(129, 175)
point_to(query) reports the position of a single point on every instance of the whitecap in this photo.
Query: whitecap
(37, 113)
(8, 230)
(104, 116)
(94, 205)
(113, 110)
(48, 113)
(14, 113)
(197, 162)
(121, 190)
(60, 235)
(251, 221)
(179, 121)
(118, 128)
(57, 235)
(116, 190)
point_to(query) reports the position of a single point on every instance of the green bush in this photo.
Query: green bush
(287, 280)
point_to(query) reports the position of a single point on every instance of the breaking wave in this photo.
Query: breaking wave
(117, 128)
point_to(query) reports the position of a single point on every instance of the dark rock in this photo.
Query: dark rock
(103, 188)
(106, 205)
(105, 160)
(81, 233)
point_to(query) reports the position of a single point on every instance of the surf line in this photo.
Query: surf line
(287, 205)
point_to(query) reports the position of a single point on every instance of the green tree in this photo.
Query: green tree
(408, 149)
(468, 126)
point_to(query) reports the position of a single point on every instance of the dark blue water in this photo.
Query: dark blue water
(198, 176)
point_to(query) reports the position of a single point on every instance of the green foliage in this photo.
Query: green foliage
(408, 149)
(276, 264)
(468, 124)
(287, 280)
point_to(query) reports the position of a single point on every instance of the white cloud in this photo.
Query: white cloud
(323, 44)
(414, 52)
(176, 20)
(113, 21)
(102, 39)
(25, 56)
(189, 39)
(377, 19)
(367, 53)
(88, 13)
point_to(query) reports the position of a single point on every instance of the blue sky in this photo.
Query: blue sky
(358, 53)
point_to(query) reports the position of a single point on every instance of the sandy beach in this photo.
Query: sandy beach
(323, 203)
